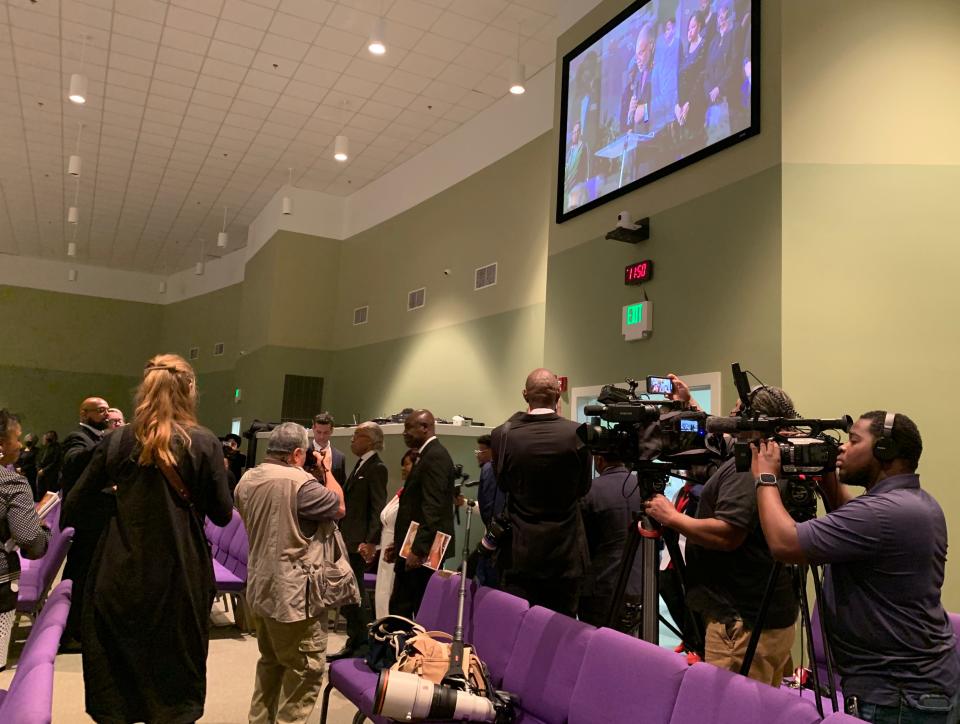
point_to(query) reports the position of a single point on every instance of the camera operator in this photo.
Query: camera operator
(545, 469)
(885, 551)
(729, 563)
(236, 460)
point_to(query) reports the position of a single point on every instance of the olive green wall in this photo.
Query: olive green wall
(869, 225)
(61, 348)
(716, 293)
(475, 368)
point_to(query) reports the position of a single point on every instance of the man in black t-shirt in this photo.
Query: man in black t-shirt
(729, 563)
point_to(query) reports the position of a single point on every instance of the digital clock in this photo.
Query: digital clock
(638, 273)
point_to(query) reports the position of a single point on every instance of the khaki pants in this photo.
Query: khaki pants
(290, 670)
(726, 645)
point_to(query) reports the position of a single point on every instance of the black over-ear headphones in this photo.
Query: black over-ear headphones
(885, 448)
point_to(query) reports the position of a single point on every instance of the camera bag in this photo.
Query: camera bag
(387, 637)
(427, 655)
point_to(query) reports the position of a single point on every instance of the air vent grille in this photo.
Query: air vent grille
(485, 276)
(416, 299)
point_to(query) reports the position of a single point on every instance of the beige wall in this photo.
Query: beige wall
(870, 246)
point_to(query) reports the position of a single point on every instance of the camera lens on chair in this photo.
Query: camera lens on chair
(404, 697)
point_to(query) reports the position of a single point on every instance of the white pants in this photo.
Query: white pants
(6, 631)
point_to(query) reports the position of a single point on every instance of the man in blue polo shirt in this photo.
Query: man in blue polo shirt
(886, 550)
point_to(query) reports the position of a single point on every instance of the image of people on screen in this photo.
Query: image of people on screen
(673, 78)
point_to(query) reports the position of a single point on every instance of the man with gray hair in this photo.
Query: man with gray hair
(366, 495)
(286, 510)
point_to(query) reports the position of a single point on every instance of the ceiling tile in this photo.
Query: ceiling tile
(168, 90)
(323, 78)
(131, 64)
(355, 86)
(479, 59)
(339, 40)
(239, 34)
(284, 48)
(315, 10)
(179, 59)
(322, 57)
(437, 46)
(208, 7)
(184, 40)
(368, 70)
(477, 100)
(461, 76)
(407, 81)
(377, 109)
(457, 27)
(394, 96)
(484, 11)
(294, 104)
(185, 19)
(217, 85)
(267, 81)
(290, 26)
(411, 12)
(221, 69)
(497, 40)
(440, 91)
(175, 75)
(246, 13)
(230, 53)
(304, 92)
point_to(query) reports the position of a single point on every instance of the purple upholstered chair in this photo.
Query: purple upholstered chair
(626, 679)
(30, 697)
(438, 610)
(35, 582)
(493, 627)
(354, 679)
(955, 622)
(545, 664)
(709, 695)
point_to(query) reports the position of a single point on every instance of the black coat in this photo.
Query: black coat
(365, 495)
(545, 468)
(428, 499)
(150, 586)
(76, 450)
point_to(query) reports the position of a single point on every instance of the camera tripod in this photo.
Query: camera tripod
(642, 536)
(798, 574)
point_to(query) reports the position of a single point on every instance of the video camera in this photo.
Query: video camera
(645, 431)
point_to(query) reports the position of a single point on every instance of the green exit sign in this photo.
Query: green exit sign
(636, 321)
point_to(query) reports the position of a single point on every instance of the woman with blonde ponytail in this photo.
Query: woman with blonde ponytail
(148, 594)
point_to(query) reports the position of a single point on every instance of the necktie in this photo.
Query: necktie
(356, 466)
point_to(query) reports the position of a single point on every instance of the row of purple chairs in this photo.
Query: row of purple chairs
(29, 700)
(564, 670)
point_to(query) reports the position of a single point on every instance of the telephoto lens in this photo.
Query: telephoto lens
(408, 697)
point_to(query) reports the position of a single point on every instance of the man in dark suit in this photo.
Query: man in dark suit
(427, 499)
(322, 430)
(608, 511)
(545, 469)
(365, 495)
(77, 449)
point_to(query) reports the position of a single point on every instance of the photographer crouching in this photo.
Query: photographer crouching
(728, 562)
(885, 550)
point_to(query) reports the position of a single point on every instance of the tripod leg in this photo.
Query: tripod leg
(690, 626)
(827, 652)
(626, 567)
(761, 617)
(650, 622)
(799, 582)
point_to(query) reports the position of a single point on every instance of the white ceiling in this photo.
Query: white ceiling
(194, 105)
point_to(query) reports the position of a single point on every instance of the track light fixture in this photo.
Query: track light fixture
(78, 81)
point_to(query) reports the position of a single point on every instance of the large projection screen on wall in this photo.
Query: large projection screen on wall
(662, 85)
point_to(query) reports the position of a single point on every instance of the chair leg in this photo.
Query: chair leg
(325, 704)
(359, 717)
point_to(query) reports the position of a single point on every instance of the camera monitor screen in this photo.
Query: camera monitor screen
(662, 85)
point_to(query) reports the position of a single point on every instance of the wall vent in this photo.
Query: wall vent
(485, 276)
(360, 315)
(218, 349)
(194, 353)
(416, 299)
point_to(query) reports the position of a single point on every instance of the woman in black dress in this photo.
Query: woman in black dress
(150, 587)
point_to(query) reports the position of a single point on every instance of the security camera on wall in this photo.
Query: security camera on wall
(628, 231)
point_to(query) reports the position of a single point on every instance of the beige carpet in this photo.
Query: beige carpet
(230, 670)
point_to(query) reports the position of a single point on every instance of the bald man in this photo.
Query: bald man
(77, 450)
(545, 469)
(427, 499)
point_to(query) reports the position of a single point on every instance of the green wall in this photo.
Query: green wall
(475, 368)
(716, 293)
(61, 348)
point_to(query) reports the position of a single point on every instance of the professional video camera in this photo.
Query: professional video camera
(645, 431)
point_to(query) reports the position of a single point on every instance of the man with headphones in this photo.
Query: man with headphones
(886, 550)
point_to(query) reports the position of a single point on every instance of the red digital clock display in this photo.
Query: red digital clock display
(638, 273)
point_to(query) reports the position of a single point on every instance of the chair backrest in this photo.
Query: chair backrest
(30, 697)
(840, 718)
(227, 534)
(621, 676)
(493, 627)
(438, 610)
(237, 549)
(45, 633)
(54, 557)
(709, 695)
(545, 662)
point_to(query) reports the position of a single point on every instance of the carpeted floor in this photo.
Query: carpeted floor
(230, 669)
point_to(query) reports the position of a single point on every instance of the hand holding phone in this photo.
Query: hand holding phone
(659, 385)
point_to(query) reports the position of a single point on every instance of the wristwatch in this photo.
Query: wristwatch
(767, 479)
